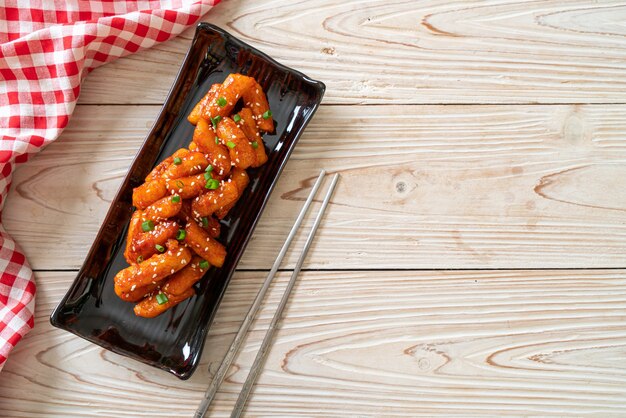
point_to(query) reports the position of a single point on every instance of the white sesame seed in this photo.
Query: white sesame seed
(133, 287)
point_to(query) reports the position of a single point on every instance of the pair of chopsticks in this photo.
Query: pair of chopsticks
(247, 322)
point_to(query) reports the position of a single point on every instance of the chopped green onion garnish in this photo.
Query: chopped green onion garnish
(177, 161)
(147, 226)
(231, 144)
(212, 184)
(217, 140)
(209, 168)
(221, 102)
(161, 298)
(204, 264)
(175, 199)
(255, 145)
(216, 120)
(267, 114)
(207, 176)
(140, 259)
(205, 222)
(237, 118)
(159, 248)
(181, 234)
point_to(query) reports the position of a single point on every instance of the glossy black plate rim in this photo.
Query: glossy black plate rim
(181, 78)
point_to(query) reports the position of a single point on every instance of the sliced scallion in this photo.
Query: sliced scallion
(161, 298)
(212, 184)
(147, 226)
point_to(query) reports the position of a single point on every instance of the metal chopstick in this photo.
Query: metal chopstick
(265, 345)
(243, 329)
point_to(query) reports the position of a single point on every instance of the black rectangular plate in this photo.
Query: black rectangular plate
(174, 340)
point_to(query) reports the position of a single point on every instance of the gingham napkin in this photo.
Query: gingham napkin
(47, 47)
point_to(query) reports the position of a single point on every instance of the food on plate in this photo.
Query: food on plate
(241, 152)
(173, 235)
(250, 129)
(202, 244)
(205, 140)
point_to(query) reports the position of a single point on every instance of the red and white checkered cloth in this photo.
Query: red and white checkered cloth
(47, 47)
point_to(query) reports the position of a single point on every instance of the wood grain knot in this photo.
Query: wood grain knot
(574, 130)
(404, 183)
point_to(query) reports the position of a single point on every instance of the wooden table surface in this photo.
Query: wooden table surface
(472, 261)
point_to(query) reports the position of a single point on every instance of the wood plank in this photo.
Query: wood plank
(468, 342)
(422, 187)
(434, 51)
